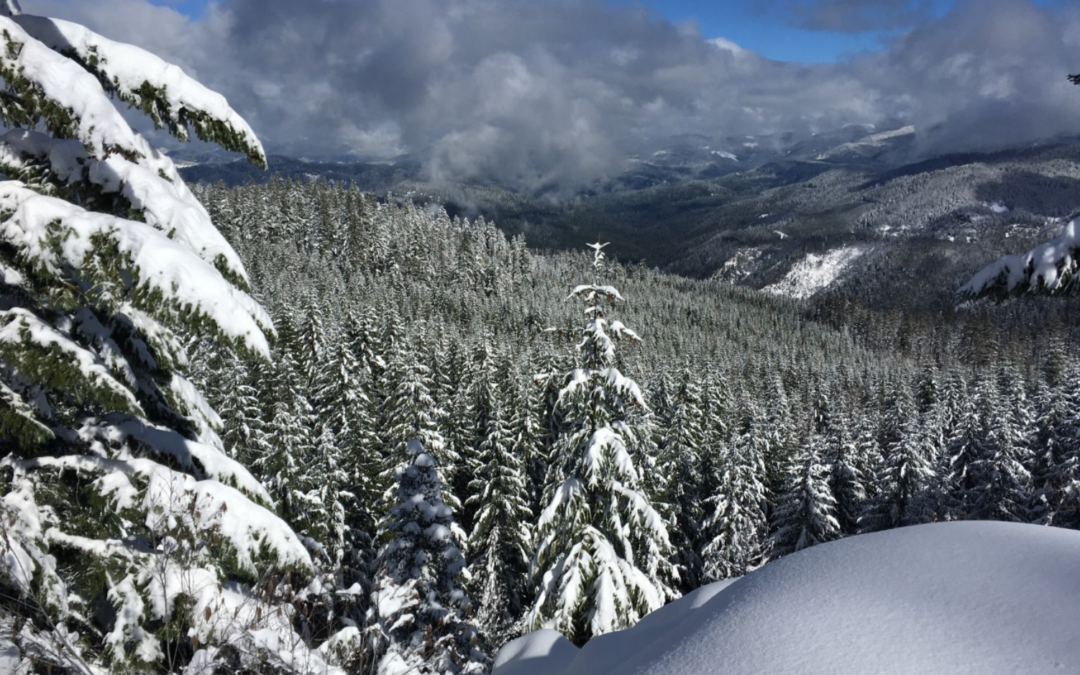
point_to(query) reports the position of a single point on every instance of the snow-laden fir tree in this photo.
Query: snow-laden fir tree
(245, 432)
(734, 531)
(680, 465)
(847, 468)
(500, 543)
(1004, 490)
(603, 551)
(902, 498)
(130, 539)
(1056, 464)
(968, 448)
(410, 411)
(526, 430)
(806, 514)
(418, 608)
(345, 419)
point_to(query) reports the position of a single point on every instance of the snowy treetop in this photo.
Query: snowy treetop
(593, 291)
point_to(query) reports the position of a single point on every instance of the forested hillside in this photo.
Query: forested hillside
(920, 226)
(759, 431)
(549, 359)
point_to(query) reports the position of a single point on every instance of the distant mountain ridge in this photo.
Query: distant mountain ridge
(755, 210)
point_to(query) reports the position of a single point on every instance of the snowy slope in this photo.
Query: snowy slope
(973, 597)
(816, 272)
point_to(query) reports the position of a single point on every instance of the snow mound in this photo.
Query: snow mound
(816, 272)
(972, 597)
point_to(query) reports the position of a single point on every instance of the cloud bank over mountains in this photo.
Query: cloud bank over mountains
(558, 92)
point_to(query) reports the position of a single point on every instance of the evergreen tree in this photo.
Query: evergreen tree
(526, 431)
(1004, 491)
(107, 262)
(410, 411)
(735, 529)
(244, 431)
(603, 552)
(904, 475)
(680, 466)
(1056, 462)
(806, 514)
(418, 608)
(846, 467)
(500, 543)
(968, 448)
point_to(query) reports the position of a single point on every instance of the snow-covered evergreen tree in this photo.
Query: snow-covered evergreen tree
(1056, 463)
(1050, 269)
(735, 529)
(968, 449)
(846, 473)
(500, 545)
(418, 609)
(410, 411)
(1004, 491)
(130, 538)
(680, 465)
(901, 499)
(806, 514)
(603, 552)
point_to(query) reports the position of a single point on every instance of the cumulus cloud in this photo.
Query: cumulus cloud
(554, 94)
(990, 75)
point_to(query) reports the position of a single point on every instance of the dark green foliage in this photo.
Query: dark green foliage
(755, 405)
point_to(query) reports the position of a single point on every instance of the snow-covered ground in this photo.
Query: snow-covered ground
(816, 272)
(973, 597)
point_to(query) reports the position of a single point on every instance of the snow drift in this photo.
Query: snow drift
(973, 597)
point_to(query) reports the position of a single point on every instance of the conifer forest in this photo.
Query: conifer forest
(303, 426)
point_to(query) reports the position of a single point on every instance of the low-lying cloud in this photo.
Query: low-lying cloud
(556, 93)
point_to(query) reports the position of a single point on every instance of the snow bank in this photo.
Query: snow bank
(816, 272)
(945, 598)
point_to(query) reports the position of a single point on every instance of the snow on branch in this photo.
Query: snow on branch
(164, 275)
(160, 89)
(18, 418)
(39, 351)
(55, 89)
(1048, 268)
(593, 291)
(191, 455)
(250, 529)
(166, 205)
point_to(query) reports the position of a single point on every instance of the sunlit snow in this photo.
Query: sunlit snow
(816, 272)
(971, 597)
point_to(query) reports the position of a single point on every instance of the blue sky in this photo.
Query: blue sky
(763, 26)
(766, 32)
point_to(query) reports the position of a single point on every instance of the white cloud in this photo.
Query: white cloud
(537, 94)
(727, 45)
